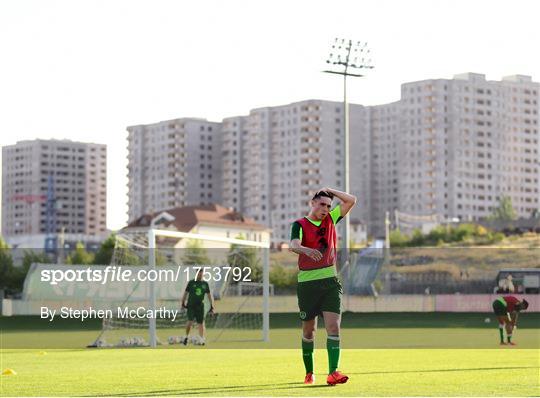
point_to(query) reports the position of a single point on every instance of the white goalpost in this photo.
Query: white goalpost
(236, 269)
(153, 234)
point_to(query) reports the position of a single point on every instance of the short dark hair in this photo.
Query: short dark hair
(323, 194)
(524, 304)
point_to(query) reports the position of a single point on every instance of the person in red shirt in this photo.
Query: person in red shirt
(314, 239)
(506, 309)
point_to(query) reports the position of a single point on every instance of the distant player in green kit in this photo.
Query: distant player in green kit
(196, 289)
(314, 239)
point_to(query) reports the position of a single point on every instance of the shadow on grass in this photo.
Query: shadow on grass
(445, 370)
(217, 390)
(232, 390)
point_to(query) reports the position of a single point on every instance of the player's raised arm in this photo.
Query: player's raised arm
(347, 200)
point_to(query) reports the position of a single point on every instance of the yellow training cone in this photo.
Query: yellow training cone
(42, 353)
(9, 372)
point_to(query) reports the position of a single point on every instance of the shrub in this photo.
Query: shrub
(397, 239)
(465, 233)
(283, 277)
(418, 238)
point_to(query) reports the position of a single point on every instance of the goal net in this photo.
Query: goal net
(150, 311)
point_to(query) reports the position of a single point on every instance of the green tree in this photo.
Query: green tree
(283, 277)
(6, 266)
(504, 211)
(80, 256)
(242, 256)
(106, 250)
(124, 254)
(38, 257)
(19, 273)
(462, 232)
(195, 254)
(418, 239)
(398, 239)
(161, 257)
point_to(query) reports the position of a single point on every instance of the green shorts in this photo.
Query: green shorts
(499, 308)
(196, 313)
(317, 296)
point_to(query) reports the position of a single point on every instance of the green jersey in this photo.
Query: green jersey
(196, 291)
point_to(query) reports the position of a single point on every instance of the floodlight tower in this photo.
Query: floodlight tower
(347, 55)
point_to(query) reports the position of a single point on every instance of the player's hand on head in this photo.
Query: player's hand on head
(325, 189)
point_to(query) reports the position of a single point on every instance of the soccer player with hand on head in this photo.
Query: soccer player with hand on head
(314, 239)
(506, 309)
(195, 291)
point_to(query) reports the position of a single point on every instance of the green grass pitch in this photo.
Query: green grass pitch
(279, 372)
(205, 371)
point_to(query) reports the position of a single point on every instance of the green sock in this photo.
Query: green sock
(502, 334)
(307, 354)
(509, 337)
(332, 346)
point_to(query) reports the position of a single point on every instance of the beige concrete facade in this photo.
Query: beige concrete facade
(173, 163)
(448, 147)
(451, 147)
(79, 173)
(277, 157)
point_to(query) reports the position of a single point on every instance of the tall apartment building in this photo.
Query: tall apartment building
(277, 157)
(457, 145)
(448, 147)
(384, 162)
(173, 163)
(79, 179)
(234, 135)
